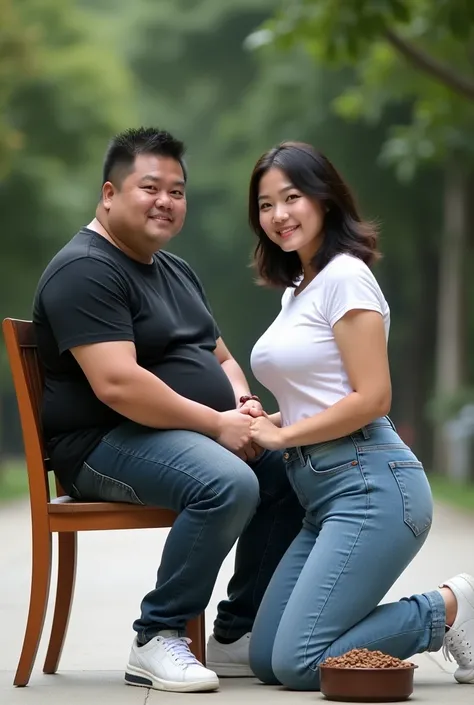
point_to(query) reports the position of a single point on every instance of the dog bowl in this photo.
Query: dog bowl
(368, 685)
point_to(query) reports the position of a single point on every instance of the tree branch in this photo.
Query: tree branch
(426, 63)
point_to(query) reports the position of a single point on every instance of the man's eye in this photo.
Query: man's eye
(180, 194)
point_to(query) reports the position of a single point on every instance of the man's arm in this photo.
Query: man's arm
(117, 380)
(233, 371)
(120, 382)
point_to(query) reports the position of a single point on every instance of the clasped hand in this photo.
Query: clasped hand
(263, 432)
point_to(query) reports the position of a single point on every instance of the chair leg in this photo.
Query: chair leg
(67, 552)
(196, 629)
(40, 582)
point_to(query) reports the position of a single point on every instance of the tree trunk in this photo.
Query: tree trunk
(449, 372)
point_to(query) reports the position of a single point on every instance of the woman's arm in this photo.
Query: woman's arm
(360, 337)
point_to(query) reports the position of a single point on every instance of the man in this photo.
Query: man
(144, 403)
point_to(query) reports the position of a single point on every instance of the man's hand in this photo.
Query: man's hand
(234, 430)
(250, 452)
(266, 434)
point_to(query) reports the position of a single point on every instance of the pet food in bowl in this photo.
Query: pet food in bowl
(367, 676)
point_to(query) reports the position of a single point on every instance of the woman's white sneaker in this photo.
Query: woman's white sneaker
(459, 639)
(166, 663)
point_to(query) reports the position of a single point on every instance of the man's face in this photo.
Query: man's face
(149, 207)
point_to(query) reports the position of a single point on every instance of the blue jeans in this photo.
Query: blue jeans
(219, 498)
(368, 512)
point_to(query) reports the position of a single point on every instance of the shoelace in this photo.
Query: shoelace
(178, 649)
(462, 650)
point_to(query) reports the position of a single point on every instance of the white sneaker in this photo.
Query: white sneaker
(459, 640)
(166, 663)
(231, 660)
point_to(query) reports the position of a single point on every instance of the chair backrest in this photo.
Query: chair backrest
(28, 380)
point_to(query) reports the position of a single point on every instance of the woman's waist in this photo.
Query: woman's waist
(379, 434)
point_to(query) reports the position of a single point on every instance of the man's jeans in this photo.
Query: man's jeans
(219, 498)
(368, 512)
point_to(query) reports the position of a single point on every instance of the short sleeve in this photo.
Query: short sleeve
(350, 286)
(85, 302)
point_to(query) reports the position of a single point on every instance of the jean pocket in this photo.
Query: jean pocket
(416, 494)
(325, 470)
(93, 486)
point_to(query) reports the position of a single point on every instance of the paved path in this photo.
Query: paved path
(116, 568)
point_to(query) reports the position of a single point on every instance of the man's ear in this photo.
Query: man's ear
(108, 192)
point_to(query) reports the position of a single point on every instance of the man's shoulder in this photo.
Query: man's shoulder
(75, 256)
(172, 260)
(175, 264)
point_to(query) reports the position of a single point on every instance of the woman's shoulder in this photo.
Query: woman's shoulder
(345, 264)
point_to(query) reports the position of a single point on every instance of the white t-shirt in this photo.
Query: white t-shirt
(297, 358)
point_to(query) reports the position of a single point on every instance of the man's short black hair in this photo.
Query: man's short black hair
(126, 146)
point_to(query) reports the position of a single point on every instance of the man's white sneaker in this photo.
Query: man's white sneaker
(459, 640)
(231, 660)
(166, 663)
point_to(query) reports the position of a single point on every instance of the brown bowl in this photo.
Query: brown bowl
(368, 685)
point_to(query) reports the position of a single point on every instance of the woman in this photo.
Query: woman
(367, 500)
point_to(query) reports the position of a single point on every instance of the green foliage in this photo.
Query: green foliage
(402, 52)
(63, 103)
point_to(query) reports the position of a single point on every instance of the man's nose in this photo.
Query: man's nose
(164, 200)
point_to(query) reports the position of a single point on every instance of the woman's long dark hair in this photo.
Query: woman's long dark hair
(343, 231)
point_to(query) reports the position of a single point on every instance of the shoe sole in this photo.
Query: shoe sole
(231, 670)
(144, 679)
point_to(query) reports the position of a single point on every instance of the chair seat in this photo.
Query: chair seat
(69, 505)
(67, 514)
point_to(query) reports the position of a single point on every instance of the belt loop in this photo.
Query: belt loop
(300, 455)
(391, 423)
(365, 433)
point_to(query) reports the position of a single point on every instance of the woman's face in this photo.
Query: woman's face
(291, 220)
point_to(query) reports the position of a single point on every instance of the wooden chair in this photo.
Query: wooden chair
(62, 515)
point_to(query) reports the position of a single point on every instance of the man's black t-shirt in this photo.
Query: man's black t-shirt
(91, 292)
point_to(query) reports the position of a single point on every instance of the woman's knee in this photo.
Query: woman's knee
(292, 669)
(260, 660)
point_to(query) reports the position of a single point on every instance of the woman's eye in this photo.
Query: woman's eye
(292, 196)
(263, 206)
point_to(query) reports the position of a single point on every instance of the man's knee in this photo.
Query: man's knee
(239, 493)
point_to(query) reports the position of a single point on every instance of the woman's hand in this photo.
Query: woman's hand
(266, 434)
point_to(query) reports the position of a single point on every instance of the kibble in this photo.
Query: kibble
(363, 658)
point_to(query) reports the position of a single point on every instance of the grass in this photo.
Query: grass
(459, 495)
(13, 481)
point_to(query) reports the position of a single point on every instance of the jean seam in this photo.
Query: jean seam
(364, 522)
(114, 481)
(123, 451)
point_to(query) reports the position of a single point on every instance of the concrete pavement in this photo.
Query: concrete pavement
(116, 568)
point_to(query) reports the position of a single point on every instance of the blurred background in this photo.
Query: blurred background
(385, 89)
